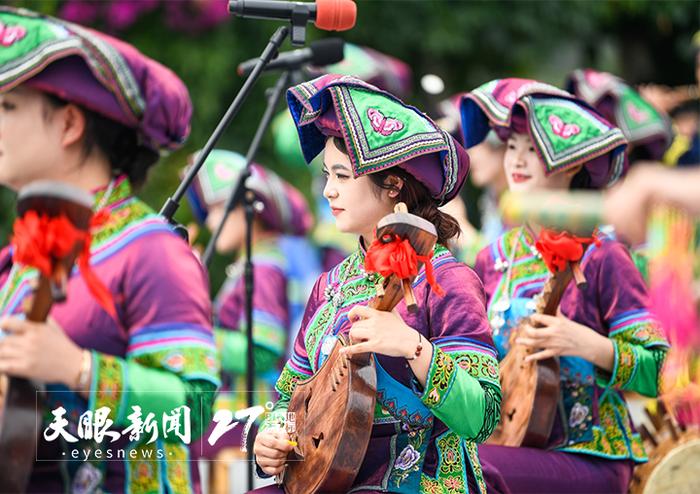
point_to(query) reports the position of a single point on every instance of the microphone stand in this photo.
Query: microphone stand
(241, 194)
(173, 203)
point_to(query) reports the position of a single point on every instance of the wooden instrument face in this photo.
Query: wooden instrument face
(674, 452)
(530, 389)
(334, 409)
(20, 398)
(347, 391)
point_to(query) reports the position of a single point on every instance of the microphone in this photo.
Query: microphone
(328, 15)
(322, 52)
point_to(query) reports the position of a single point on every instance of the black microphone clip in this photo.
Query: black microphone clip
(298, 13)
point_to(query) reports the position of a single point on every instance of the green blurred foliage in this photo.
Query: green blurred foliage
(464, 42)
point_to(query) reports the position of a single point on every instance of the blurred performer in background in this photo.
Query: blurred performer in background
(604, 336)
(88, 110)
(486, 173)
(648, 131)
(285, 267)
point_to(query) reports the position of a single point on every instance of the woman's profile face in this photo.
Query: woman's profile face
(233, 233)
(30, 139)
(356, 203)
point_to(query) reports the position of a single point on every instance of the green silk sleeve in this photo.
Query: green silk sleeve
(233, 349)
(467, 405)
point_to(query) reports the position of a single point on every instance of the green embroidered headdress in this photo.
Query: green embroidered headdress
(379, 131)
(643, 126)
(566, 132)
(95, 71)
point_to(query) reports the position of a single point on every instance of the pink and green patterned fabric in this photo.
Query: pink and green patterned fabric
(376, 68)
(379, 131)
(95, 71)
(284, 208)
(566, 132)
(641, 123)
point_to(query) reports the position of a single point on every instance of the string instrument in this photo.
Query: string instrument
(674, 451)
(20, 398)
(531, 389)
(334, 409)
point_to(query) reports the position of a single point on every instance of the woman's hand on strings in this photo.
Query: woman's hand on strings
(271, 449)
(380, 332)
(40, 351)
(559, 336)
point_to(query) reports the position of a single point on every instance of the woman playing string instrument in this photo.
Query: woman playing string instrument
(437, 376)
(604, 336)
(85, 109)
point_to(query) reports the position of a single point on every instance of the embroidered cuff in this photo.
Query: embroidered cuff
(108, 385)
(288, 380)
(441, 375)
(624, 367)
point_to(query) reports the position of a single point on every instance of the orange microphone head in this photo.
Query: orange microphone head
(335, 15)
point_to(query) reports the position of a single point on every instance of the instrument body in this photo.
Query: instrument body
(334, 409)
(20, 399)
(674, 451)
(531, 389)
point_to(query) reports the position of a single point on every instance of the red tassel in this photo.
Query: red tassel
(560, 248)
(398, 257)
(38, 240)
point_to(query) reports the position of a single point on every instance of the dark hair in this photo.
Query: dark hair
(414, 195)
(582, 180)
(119, 143)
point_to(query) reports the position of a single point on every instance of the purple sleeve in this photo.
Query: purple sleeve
(5, 264)
(298, 367)
(270, 308)
(461, 312)
(165, 310)
(166, 285)
(463, 372)
(483, 267)
(623, 304)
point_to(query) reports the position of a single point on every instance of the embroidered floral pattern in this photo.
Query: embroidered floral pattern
(478, 365)
(610, 438)
(407, 458)
(107, 391)
(188, 362)
(144, 475)
(473, 456)
(410, 461)
(288, 381)
(440, 375)
(10, 34)
(178, 470)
